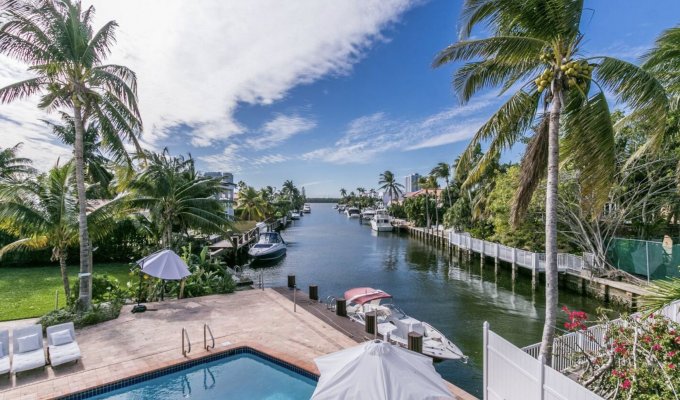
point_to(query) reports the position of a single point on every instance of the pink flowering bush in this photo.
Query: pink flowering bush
(638, 359)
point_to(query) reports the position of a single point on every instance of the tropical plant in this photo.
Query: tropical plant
(664, 61)
(13, 168)
(251, 205)
(66, 57)
(43, 213)
(390, 185)
(175, 199)
(443, 171)
(343, 193)
(536, 45)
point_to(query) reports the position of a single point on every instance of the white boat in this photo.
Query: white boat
(335, 206)
(341, 208)
(381, 221)
(394, 325)
(270, 247)
(306, 209)
(352, 212)
(294, 215)
(366, 215)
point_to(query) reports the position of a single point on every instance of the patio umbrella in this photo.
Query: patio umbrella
(163, 264)
(378, 370)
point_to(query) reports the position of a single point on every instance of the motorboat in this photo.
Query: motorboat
(341, 208)
(335, 206)
(306, 209)
(352, 212)
(394, 325)
(270, 247)
(366, 215)
(381, 221)
(294, 215)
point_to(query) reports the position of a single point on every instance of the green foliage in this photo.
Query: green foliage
(529, 234)
(416, 209)
(397, 210)
(105, 288)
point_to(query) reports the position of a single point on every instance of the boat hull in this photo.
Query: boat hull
(268, 255)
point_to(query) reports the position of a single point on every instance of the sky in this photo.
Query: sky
(327, 93)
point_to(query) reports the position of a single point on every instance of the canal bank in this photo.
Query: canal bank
(574, 275)
(327, 249)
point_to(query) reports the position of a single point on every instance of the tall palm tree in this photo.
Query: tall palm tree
(535, 45)
(361, 191)
(251, 204)
(443, 170)
(55, 38)
(424, 184)
(175, 199)
(343, 193)
(13, 168)
(43, 213)
(664, 61)
(390, 185)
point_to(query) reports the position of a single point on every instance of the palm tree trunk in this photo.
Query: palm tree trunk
(64, 275)
(84, 296)
(448, 191)
(551, 295)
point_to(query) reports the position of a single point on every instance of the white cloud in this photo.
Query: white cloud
(368, 136)
(197, 61)
(280, 129)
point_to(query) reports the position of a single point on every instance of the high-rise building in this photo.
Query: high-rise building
(227, 193)
(412, 184)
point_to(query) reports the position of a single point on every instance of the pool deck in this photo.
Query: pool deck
(134, 344)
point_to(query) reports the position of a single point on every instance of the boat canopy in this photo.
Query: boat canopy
(365, 294)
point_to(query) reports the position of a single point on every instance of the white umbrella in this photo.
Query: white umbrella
(164, 264)
(378, 370)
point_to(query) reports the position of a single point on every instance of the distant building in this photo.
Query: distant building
(227, 193)
(412, 183)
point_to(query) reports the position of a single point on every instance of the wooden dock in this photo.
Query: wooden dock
(353, 330)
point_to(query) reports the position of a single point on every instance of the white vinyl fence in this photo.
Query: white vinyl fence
(568, 348)
(522, 258)
(512, 374)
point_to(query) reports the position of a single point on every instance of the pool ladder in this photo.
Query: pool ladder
(206, 331)
(185, 335)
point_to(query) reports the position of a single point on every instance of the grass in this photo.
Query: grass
(27, 292)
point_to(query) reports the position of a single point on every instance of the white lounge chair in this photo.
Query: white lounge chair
(61, 344)
(27, 344)
(4, 352)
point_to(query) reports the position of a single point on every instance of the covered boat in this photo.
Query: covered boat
(394, 325)
(270, 247)
(352, 212)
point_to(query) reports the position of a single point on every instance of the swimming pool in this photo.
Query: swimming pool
(240, 374)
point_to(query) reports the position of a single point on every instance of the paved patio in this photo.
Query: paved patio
(138, 343)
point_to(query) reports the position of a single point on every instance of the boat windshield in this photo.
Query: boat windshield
(270, 238)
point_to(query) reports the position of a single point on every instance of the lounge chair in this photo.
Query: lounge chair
(27, 344)
(4, 352)
(61, 344)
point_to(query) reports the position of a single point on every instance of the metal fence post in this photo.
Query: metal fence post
(486, 361)
(647, 251)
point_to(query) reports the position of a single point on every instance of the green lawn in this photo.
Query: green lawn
(27, 292)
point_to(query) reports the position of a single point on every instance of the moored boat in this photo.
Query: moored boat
(270, 247)
(366, 215)
(394, 325)
(352, 212)
(294, 215)
(306, 209)
(381, 221)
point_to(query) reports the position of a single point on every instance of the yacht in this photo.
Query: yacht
(341, 208)
(270, 247)
(394, 325)
(381, 221)
(306, 209)
(294, 215)
(366, 215)
(352, 212)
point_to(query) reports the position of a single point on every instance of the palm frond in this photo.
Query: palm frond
(506, 49)
(474, 76)
(533, 169)
(21, 90)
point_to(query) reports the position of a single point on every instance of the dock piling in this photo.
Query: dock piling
(291, 281)
(415, 342)
(371, 323)
(313, 292)
(341, 307)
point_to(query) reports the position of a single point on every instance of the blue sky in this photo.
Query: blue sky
(328, 94)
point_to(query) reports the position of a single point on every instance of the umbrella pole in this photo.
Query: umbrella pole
(163, 290)
(139, 294)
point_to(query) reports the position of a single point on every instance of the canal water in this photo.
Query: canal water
(327, 249)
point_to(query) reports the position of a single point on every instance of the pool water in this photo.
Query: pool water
(241, 376)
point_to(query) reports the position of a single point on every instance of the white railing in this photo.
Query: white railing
(510, 374)
(568, 348)
(523, 258)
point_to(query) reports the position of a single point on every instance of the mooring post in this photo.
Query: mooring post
(371, 326)
(341, 307)
(291, 281)
(313, 292)
(415, 342)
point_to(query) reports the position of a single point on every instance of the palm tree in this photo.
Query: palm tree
(343, 193)
(174, 198)
(390, 185)
(535, 45)
(13, 168)
(66, 55)
(424, 184)
(442, 170)
(251, 204)
(664, 62)
(361, 191)
(43, 213)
